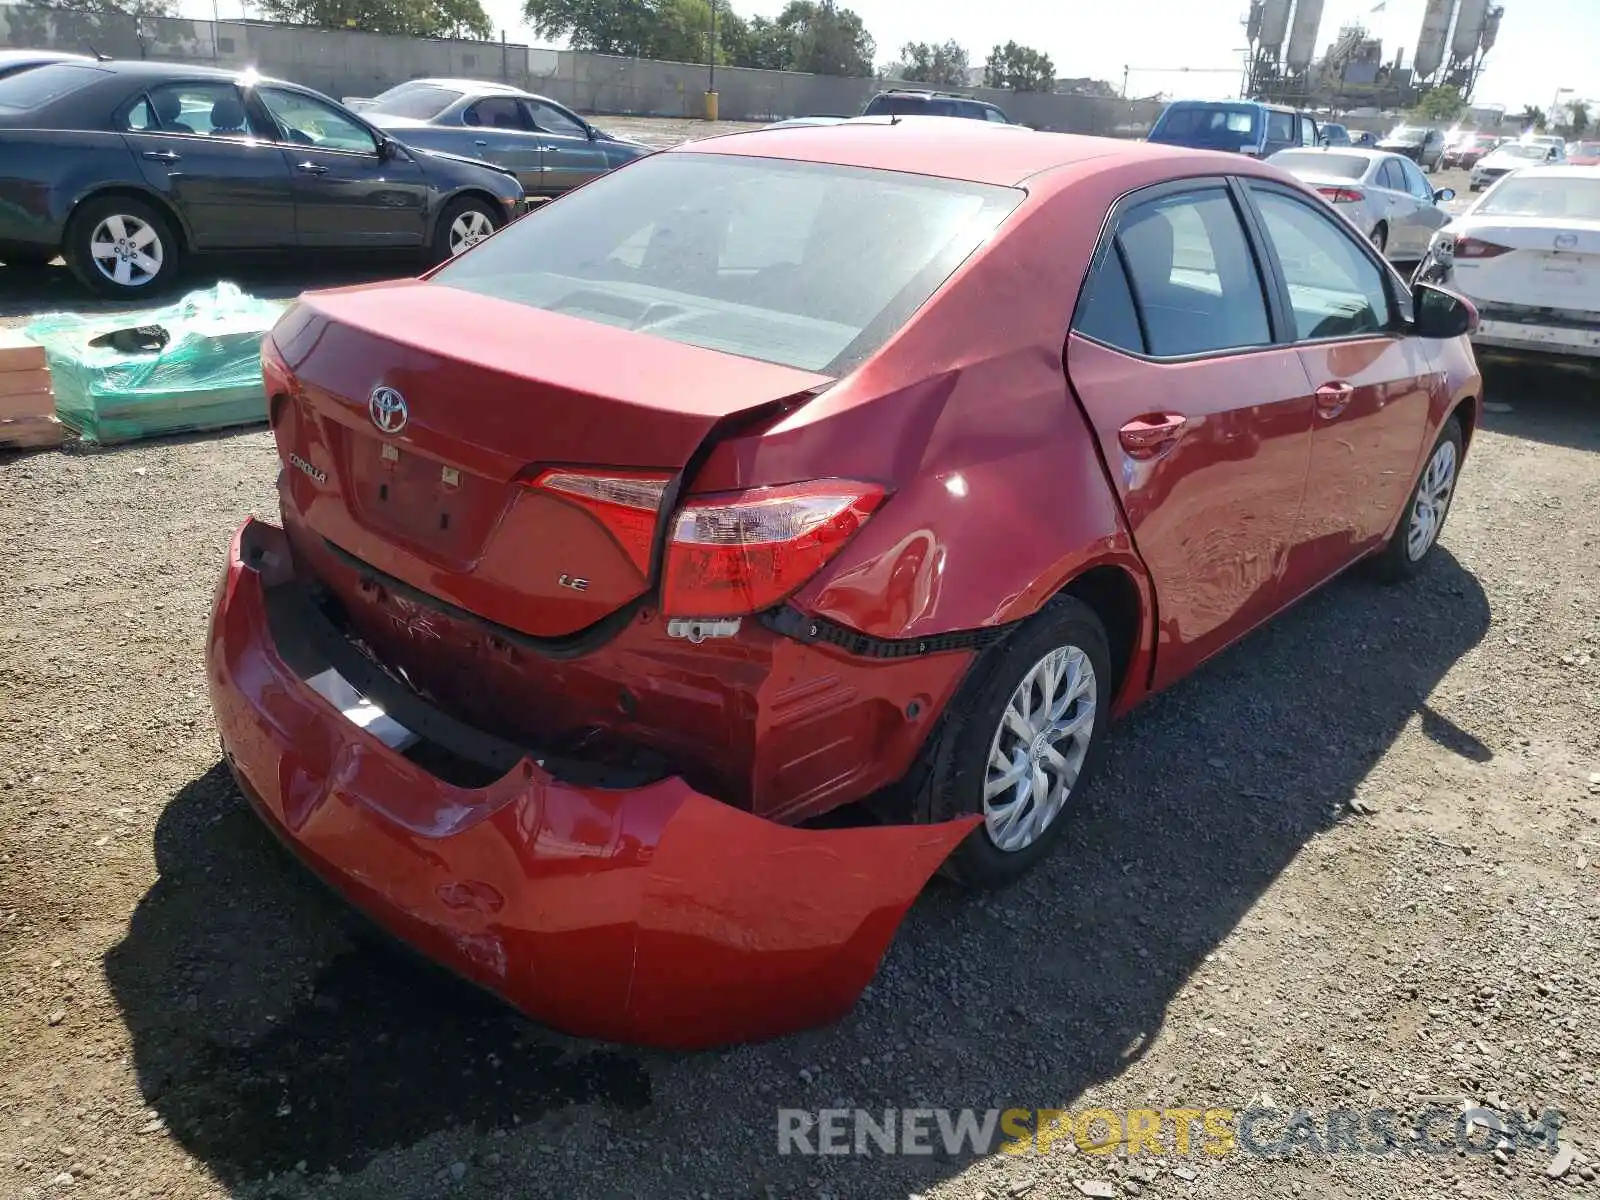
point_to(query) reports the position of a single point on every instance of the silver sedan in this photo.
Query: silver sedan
(1384, 195)
(551, 148)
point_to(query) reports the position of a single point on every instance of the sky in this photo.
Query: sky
(1543, 44)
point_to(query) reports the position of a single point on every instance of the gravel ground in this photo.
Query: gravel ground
(1351, 864)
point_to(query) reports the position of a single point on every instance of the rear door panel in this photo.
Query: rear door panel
(1213, 510)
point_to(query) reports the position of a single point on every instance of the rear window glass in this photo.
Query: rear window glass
(1312, 162)
(1190, 120)
(808, 265)
(1523, 195)
(418, 103)
(34, 89)
(904, 106)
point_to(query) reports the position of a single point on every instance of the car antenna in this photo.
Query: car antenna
(98, 56)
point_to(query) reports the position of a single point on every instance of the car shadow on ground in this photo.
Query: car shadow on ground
(1556, 405)
(27, 291)
(267, 1032)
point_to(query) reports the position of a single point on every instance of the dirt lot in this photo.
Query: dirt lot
(1354, 863)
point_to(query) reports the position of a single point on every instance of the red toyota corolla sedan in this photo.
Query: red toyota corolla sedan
(884, 461)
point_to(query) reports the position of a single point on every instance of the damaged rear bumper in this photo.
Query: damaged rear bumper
(652, 914)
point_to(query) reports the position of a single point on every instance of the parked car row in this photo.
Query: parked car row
(128, 168)
(1384, 194)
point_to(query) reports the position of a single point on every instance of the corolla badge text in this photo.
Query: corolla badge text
(388, 410)
(317, 474)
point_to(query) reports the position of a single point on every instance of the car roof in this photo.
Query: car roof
(936, 146)
(482, 86)
(1366, 152)
(1559, 171)
(150, 69)
(42, 56)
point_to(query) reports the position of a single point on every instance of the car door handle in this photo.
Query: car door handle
(1152, 434)
(1332, 398)
(166, 156)
(480, 142)
(311, 168)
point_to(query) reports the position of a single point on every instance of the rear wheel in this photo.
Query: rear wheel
(1418, 532)
(465, 223)
(121, 247)
(1019, 743)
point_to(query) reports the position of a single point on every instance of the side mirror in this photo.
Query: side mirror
(1444, 195)
(1441, 314)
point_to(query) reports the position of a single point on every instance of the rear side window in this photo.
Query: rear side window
(28, 90)
(1335, 290)
(495, 112)
(1391, 176)
(1193, 277)
(1107, 313)
(1280, 127)
(809, 265)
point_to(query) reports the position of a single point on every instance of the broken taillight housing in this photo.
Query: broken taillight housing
(1470, 247)
(627, 503)
(741, 552)
(1342, 195)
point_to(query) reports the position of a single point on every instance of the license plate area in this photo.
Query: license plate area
(431, 504)
(360, 710)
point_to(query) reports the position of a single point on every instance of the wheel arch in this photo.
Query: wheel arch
(1466, 414)
(130, 191)
(470, 191)
(1124, 604)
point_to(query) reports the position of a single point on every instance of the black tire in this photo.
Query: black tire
(446, 236)
(1380, 238)
(1396, 562)
(92, 225)
(953, 769)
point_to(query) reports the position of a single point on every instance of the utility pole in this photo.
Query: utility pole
(1124, 81)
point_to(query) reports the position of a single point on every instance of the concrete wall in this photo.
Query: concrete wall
(343, 63)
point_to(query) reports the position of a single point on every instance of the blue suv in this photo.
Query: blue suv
(1242, 126)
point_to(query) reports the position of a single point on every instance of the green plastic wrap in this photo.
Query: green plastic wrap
(208, 375)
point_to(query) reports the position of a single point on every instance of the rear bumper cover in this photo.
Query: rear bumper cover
(1536, 330)
(654, 915)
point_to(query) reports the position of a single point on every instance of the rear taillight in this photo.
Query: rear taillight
(1468, 247)
(738, 553)
(627, 503)
(1340, 195)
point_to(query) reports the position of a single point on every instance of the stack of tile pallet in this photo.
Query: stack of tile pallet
(27, 401)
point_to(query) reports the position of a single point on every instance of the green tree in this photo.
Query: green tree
(1020, 68)
(1440, 104)
(603, 26)
(131, 8)
(415, 18)
(942, 66)
(758, 42)
(825, 39)
(1533, 117)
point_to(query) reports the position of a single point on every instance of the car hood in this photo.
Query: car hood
(616, 139)
(1399, 143)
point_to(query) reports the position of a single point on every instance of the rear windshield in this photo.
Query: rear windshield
(1523, 195)
(1224, 125)
(910, 106)
(1312, 162)
(28, 90)
(422, 102)
(809, 265)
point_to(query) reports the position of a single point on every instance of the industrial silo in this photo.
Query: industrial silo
(1274, 24)
(1303, 34)
(1469, 29)
(1491, 28)
(1431, 41)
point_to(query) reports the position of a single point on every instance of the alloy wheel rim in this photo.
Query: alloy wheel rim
(1038, 750)
(1432, 502)
(126, 250)
(467, 230)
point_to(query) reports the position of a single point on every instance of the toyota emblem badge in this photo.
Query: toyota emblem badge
(387, 408)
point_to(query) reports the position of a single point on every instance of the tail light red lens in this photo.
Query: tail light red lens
(1467, 247)
(627, 503)
(738, 553)
(1341, 195)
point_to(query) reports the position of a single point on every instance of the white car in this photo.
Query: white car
(1528, 255)
(1513, 156)
(1386, 196)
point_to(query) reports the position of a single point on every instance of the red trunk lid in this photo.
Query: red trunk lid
(492, 391)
